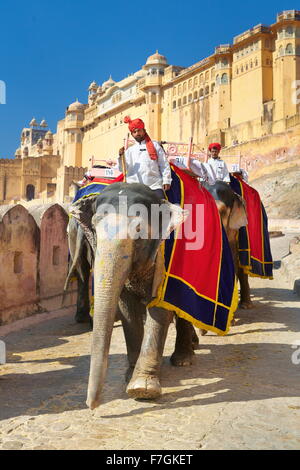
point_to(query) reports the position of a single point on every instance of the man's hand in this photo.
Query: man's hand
(121, 151)
(110, 162)
(166, 187)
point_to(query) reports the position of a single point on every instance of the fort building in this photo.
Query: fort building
(243, 92)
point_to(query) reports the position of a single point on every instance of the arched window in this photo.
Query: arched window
(224, 78)
(201, 92)
(212, 87)
(174, 104)
(289, 49)
(237, 71)
(184, 87)
(190, 97)
(184, 100)
(289, 32)
(280, 51)
(207, 90)
(195, 95)
(224, 62)
(218, 80)
(201, 78)
(195, 81)
(256, 62)
(246, 67)
(174, 91)
(207, 75)
(30, 192)
(190, 83)
(179, 102)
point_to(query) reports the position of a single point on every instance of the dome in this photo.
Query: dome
(76, 106)
(109, 83)
(43, 123)
(157, 59)
(93, 86)
(33, 123)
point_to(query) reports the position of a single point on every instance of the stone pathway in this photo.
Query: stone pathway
(242, 392)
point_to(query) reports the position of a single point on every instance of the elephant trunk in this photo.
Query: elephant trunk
(111, 269)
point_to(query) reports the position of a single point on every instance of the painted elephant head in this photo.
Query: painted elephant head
(125, 225)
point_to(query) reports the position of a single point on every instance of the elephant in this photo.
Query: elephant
(127, 270)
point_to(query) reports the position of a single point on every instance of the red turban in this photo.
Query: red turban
(139, 124)
(215, 145)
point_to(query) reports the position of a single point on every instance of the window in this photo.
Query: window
(201, 78)
(179, 102)
(190, 98)
(224, 78)
(218, 80)
(280, 51)
(55, 255)
(174, 104)
(212, 87)
(195, 81)
(184, 100)
(18, 262)
(30, 189)
(190, 83)
(174, 91)
(289, 49)
(201, 92)
(207, 75)
(195, 95)
(184, 87)
(237, 71)
(207, 90)
(289, 32)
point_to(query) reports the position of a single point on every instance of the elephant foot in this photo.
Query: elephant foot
(203, 332)
(181, 359)
(144, 387)
(246, 304)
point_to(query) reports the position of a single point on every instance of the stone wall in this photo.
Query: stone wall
(33, 260)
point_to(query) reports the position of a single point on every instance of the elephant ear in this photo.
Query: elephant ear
(83, 211)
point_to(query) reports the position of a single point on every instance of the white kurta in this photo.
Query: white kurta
(220, 169)
(141, 169)
(203, 170)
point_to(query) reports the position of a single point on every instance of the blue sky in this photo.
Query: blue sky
(50, 51)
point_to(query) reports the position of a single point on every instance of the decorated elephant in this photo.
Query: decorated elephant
(128, 268)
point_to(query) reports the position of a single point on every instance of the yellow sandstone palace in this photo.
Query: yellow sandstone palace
(245, 91)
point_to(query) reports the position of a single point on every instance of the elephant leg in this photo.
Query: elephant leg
(184, 350)
(145, 382)
(245, 300)
(131, 314)
(83, 301)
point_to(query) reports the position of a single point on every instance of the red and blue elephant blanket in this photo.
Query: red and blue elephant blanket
(253, 240)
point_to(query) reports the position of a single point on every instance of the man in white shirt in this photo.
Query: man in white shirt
(218, 165)
(145, 161)
(204, 171)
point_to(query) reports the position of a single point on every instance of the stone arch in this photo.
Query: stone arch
(289, 50)
(19, 251)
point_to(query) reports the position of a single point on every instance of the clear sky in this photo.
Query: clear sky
(52, 50)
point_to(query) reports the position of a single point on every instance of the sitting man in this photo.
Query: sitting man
(145, 161)
(218, 165)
